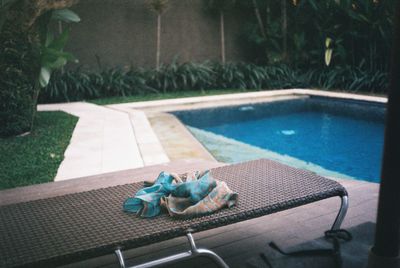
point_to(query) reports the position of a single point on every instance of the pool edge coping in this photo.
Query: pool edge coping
(249, 95)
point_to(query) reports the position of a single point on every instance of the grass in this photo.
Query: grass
(35, 158)
(162, 96)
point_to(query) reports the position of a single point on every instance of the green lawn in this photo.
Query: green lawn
(35, 158)
(161, 96)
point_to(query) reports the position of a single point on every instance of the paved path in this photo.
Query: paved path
(104, 141)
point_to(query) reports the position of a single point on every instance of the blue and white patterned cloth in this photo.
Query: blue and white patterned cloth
(188, 195)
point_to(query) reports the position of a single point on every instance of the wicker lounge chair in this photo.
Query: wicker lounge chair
(79, 226)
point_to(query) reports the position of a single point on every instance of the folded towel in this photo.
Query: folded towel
(188, 195)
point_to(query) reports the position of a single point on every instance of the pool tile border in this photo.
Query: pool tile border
(244, 97)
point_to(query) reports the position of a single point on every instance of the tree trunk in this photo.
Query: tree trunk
(259, 20)
(261, 26)
(284, 29)
(20, 63)
(158, 41)
(60, 30)
(222, 31)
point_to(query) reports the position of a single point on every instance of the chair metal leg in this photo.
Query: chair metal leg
(120, 257)
(205, 253)
(192, 253)
(213, 256)
(342, 213)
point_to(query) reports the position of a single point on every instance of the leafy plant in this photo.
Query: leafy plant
(52, 55)
(15, 63)
(295, 32)
(4, 7)
(75, 85)
(27, 57)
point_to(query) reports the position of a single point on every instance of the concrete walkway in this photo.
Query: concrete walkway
(104, 140)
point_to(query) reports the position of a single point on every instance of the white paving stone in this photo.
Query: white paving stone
(103, 141)
(149, 145)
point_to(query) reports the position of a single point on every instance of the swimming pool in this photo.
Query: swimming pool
(330, 137)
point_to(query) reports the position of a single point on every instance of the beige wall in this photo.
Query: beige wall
(123, 32)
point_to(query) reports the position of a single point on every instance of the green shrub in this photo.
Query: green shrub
(349, 79)
(75, 85)
(29, 52)
(16, 87)
(360, 32)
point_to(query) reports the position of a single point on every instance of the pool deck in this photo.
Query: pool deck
(238, 244)
(119, 144)
(133, 135)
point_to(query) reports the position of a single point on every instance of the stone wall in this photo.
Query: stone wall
(123, 33)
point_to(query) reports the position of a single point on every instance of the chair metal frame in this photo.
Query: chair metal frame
(195, 252)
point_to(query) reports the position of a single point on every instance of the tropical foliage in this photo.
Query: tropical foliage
(331, 44)
(338, 32)
(28, 55)
(52, 54)
(74, 85)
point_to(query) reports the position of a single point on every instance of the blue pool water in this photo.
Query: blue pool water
(342, 144)
(343, 137)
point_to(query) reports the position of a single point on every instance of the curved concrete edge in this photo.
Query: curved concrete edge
(151, 150)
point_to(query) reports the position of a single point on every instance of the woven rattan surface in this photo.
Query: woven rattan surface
(78, 226)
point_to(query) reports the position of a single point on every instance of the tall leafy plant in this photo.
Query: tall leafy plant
(23, 52)
(52, 54)
(267, 29)
(371, 32)
(330, 24)
(313, 33)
